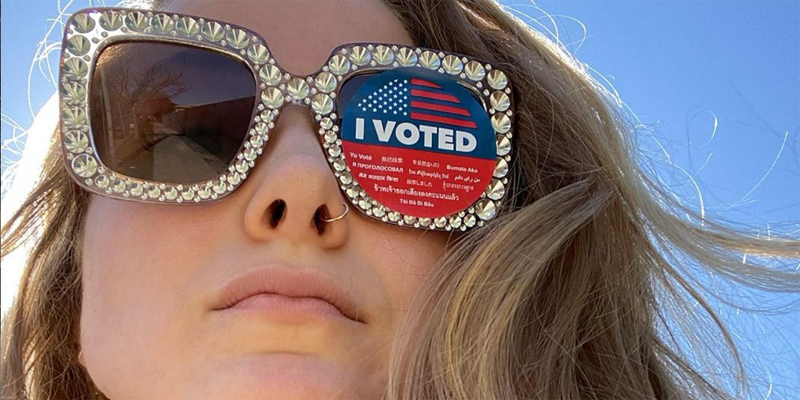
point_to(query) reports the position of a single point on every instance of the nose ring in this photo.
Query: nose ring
(346, 210)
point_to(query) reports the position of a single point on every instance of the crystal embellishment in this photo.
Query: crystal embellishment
(497, 79)
(84, 165)
(136, 21)
(383, 55)
(452, 65)
(78, 45)
(406, 57)
(359, 55)
(83, 23)
(339, 65)
(238, 39)
(429, 59)
(501, 123)
(298, 89)
(325, 82)
(187, 27)
(500, 101)
(485, 209)
(110, 20)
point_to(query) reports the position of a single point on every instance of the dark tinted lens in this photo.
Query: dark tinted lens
(169, 113)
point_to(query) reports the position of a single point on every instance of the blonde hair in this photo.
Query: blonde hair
(566, 294)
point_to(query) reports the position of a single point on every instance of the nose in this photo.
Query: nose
(296, 187)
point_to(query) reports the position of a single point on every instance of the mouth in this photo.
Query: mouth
(289, 293)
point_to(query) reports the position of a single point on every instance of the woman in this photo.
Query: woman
(558, 293)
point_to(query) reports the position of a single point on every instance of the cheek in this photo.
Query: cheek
(132, 266)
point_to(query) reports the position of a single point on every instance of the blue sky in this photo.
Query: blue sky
(716, 84)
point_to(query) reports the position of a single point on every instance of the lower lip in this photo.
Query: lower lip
(279, 305)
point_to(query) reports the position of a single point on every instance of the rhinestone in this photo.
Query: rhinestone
(440, 222)
(501, 123)
(76, 141)
(75, 69)
(394, 216)
(452, 65)
(359, 55)
(352, 192)
(345, 178)
(234, 178)
(242, 166)
(475, 71)
(213, 31)
(153, 192)
(364, 204)
(496, 190)
(270, 75)
(330, 136)
(378, 211)
(73, 92)
(136, 189)
(325, 82)
(101, 181)
(118, 186)
(136, 21)
(257, 53)
(322, 104)
(261, 128)
(84, 165)
(326, 123)
(220, 187)
(171, 193)
(497, 79)
(503, 145)
(78, 45)
(298, 89)
(162, 23)
(429, 59)
(455, 222)
(485, 209)
(500, 101)
(338, 164)
(268, 116)
(406, 57)
(74, 117)
(110, 20)
(469, 220)
(383, 55)
(83, 23)
(425, 222)
(187, 26)
(334, 151)
(256, 141)
(272, 97)
(187, 194)
(501, 169)
(250, 154)
(339, 64)
(238, 39)
(204, 192)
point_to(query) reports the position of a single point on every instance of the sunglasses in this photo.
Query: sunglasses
(173, 108)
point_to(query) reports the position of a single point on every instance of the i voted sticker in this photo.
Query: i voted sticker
(418, 142)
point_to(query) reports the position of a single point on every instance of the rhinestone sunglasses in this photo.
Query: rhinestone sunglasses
(176, 109)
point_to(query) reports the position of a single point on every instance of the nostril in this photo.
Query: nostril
(275, 212)
(322, 212)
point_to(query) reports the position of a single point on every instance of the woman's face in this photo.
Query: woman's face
(152, 272)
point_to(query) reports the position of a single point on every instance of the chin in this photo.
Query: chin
(280, 376)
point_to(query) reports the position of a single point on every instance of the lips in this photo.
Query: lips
(289, 282)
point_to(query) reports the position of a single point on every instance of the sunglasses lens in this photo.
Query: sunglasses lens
(169, 113)
(417, 141)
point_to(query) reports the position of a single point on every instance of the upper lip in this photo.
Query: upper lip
(290, 282)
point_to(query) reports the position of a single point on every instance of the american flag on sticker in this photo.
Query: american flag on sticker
(422, 99)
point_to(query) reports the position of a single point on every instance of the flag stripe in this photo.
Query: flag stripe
(434, 95)
(444, 120)
(439, 107)
(422, 82)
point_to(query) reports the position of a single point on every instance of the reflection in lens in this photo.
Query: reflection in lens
(169, 113)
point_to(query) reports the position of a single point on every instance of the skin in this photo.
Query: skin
(150, 271)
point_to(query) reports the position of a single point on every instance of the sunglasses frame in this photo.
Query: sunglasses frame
(91, 30)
